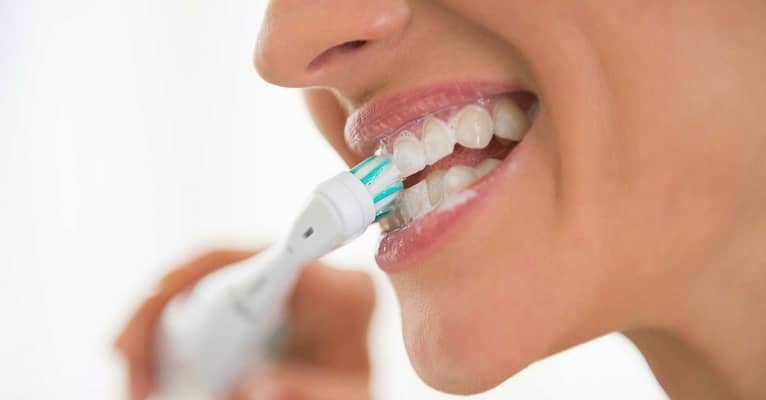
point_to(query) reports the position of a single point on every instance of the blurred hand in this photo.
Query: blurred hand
(326, 356)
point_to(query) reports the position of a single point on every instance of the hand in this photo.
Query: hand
(326, 355)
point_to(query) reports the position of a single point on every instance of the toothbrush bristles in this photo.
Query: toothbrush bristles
(383, 180)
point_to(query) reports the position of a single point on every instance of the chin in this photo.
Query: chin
(462, 356)
(456, 343)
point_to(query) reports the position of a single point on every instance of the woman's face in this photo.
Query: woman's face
(635, 173)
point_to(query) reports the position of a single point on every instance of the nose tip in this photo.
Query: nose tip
(313, 43)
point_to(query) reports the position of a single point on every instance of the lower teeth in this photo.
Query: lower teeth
(429, 193)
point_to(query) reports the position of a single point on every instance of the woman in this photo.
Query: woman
(634, 200)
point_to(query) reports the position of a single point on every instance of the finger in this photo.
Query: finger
(187, 275)
(330, 316)
(134, 341)
(140, 381)
(300, 382)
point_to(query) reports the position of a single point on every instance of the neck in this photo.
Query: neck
(683, 372)
(714, 347)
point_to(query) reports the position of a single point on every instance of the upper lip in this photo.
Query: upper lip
(372, 122)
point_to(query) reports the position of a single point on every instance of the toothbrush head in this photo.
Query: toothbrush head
(349, 202)
(382, 180)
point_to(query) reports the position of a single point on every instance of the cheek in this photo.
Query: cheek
(330, 118)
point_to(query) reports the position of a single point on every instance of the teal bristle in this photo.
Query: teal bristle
(389, 191)
(369, 172)
(377, 170)
(382, 213)
(362, 164)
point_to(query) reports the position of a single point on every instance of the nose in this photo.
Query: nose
(326, 42)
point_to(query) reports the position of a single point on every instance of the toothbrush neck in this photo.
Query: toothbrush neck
(318, 230)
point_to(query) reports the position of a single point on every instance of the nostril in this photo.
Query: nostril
(354, 44)
(334, 52)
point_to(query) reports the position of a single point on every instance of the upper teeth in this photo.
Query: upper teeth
(509, 120)
(408, 154)
(472, 127)
(438, 140)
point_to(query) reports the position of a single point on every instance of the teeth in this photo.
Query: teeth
(438, 141)
(435, 182)
(421, 198)
(393, 220)
(458, 178)
(509, 120)
(486, 167)
(474, 127)
(408, 154)
(414, 202)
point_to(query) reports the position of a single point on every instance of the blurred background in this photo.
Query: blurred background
(135, 135)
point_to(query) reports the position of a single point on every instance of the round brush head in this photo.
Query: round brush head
(382, 180)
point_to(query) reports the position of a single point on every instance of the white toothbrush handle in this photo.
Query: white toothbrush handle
(208, 337)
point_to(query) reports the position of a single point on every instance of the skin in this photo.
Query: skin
(640, 206)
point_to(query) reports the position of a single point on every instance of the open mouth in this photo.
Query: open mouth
(448, 142)
(445, 152)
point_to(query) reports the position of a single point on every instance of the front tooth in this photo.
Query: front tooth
(486, 167)
(408, 154)
(414, 202)
(438, 141)
(474, 127)
(510, 121)
(435, 181)
(458, 178)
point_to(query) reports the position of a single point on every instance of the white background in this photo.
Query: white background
(135, 134)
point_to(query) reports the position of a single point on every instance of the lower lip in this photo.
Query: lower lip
(404, 248)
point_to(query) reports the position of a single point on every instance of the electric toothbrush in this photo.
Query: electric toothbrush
(208, 337)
